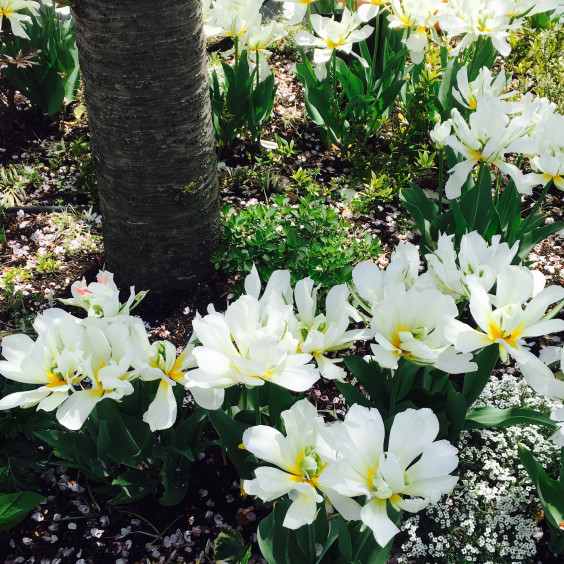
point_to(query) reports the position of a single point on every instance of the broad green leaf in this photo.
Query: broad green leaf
(229, 547)
(15, 506)
(475, 382)
(231, 432)
(489, 416)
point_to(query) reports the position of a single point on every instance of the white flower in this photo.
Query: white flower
(170, 370)
(245, 347)
(370, 8)
(110, 350)
(540, 377)
(449, 270)
(364, 468)
(233, 18)
(412, 326)
(489, 135)
(484, 86)
(300, 459)
(479, 18)
(322, 333)
(558, 437)
(439, 134)
(53, 361)
(334, 35)
(9, 9)
(295, 10)
(508, 324)
(101, 298)
(372, 284)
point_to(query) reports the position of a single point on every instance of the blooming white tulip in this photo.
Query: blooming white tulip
(439, 134)
(540, 377)
(53, 361)
(322, 333)
(489, 135)
(234, 18)
(364, 468)
(239, 348)
(412, 326)
(334, 35)
(170, 370)
(300, 457)
(502, 319)
(372, 284)
(558, 436)
(416, 16)
(110, 355)
(370, 8)
(484, 86)
(101, 298)
(473, 19)
(9, 9)
(449, 270)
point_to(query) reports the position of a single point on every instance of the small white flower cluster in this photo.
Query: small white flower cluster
(492, 510)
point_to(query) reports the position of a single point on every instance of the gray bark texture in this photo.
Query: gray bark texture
(145, 77)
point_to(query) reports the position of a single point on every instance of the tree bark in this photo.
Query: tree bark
(145, 77)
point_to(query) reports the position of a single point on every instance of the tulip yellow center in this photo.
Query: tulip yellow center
(54, 380)
(495, 332)
(308, 466)
(6, 12)
(332, 44)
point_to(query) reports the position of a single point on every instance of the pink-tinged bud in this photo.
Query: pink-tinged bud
(101, 278)
(83, 289)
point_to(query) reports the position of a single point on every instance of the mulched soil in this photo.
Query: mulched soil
(71, 525)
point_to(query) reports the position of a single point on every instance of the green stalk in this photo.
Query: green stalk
(441, 173)
(394, 392)
(236, 44)
(376, 43)
(334, 73)
(258, 66)
(309, 27)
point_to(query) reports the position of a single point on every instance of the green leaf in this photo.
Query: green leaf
(488, 417)
(15, 506)
(229, 547)
(475, 382)
(231, 432)
(551, 497)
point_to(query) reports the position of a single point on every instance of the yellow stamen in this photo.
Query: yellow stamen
(54, 381)
(332, 45)
(495, 333)
(475, 154)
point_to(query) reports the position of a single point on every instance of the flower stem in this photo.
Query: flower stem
(441, 173)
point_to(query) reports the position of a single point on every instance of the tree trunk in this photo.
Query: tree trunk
(144, 70)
